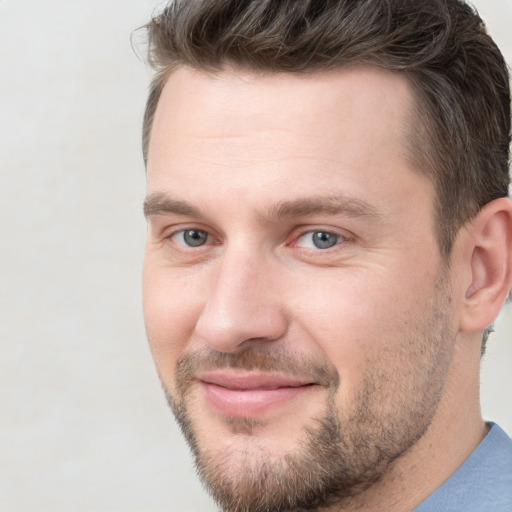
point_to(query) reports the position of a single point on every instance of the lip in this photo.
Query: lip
(250, 395)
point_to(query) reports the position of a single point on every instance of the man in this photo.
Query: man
(329, 241)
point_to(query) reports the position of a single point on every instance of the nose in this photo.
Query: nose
(244, 305)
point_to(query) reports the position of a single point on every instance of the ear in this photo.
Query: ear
(489, 256)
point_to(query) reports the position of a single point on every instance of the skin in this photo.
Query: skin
(259, 162)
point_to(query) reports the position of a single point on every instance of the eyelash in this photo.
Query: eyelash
(340, 239)
(183, 231)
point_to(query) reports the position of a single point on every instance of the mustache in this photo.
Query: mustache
(277, 360)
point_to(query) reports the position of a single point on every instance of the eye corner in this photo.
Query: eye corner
(318, 239)
(190, 237)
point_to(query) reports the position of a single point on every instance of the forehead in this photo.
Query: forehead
(259, 133)
(192, 101)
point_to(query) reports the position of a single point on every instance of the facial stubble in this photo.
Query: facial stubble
(341, 453)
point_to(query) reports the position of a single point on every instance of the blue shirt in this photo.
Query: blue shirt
(482, 484)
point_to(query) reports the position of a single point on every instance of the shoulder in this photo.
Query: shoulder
(482, 483)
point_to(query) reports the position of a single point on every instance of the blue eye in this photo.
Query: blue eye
(192, 237)
(319, 240)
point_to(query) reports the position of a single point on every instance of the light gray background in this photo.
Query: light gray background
(83, 422)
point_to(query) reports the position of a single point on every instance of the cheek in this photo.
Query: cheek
(358, 320)
(171, 310)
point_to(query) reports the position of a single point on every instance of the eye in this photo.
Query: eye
(191, 237)
(319, 240)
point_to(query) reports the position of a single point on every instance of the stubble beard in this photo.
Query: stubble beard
(341, 454)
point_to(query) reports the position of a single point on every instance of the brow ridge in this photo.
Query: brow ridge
(161, 204)
(329, 205)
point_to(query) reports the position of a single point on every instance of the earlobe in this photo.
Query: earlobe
(489, 257)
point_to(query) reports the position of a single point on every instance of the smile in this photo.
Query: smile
(250, 395)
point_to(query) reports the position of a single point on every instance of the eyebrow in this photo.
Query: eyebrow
(330, 205)
(161, 204)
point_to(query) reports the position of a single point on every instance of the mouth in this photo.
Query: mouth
(250, 395)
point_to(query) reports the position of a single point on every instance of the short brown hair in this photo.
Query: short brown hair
(461, 136)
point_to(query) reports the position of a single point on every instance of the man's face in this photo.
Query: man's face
(296, 304)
